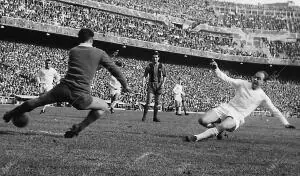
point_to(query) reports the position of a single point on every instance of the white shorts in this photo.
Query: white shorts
(178, 97)
(178, 103)
(45, 88)
(225, 110)
(115, 91)
(178, 100)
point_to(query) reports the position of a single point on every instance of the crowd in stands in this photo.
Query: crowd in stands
(285, 50)
(255, 22)
(202, 11)
(75, 16)
(20, 63)
(198, 10)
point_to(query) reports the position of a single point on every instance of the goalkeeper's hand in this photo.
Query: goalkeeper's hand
(289, 126)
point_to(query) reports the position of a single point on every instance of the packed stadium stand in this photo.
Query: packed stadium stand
(221, 28)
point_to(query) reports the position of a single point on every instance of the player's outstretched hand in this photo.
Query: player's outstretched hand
(289, 126)
(214, 64)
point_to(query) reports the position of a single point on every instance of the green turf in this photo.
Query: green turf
(121, 144)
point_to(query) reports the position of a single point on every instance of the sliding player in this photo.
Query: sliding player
(229, 116)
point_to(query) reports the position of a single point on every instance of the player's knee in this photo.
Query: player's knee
(229, 126)
(96, 114)
(220, 128)
(203, 122)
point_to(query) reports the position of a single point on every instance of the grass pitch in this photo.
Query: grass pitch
(121, 144)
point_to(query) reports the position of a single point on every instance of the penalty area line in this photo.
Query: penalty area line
(42, 132)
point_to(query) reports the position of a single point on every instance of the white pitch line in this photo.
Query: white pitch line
(143, 156)
(46, 132)
(51, 133)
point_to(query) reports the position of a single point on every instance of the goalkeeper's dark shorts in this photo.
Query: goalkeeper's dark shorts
(63, 93)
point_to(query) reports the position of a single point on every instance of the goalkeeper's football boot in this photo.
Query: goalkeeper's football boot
(7, 117)
(74, 131)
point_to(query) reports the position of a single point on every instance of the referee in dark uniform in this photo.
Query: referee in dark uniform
(157, 78)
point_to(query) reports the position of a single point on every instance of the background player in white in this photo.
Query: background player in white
(229, 116)
(115, 89)
(45, 79)
(178, 93)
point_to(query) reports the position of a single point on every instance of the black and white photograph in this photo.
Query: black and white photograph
(149, 87)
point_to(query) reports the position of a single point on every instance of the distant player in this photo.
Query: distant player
(115, 89)
(157, 77)
(184, 105)
(229, 116)
(178, 94)
(75, 88)
(45, 79)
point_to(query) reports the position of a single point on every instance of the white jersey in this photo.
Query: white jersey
(178, 91)
(246, 100)
(115, 85)
(47, 76)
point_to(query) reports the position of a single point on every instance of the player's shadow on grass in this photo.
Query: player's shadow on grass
(31, 133)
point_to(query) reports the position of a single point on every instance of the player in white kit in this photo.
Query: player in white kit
(115, 89)
(229, 116)
(178, 93)
(45, 79)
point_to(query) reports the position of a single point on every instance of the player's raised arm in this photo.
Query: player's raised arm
(276, 113)
(223, 76)
(114, 70)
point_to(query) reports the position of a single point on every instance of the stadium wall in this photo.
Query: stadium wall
(67, 31)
